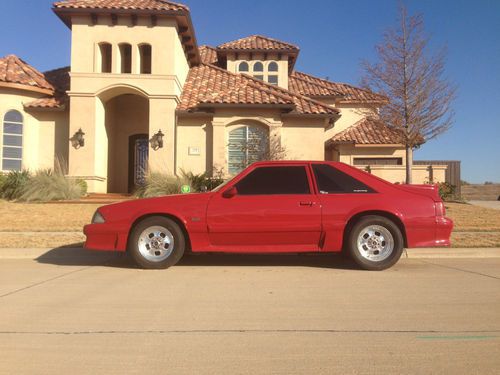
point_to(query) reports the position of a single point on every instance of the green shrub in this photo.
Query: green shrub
(83, 185)
(158, 184)
(3, 177)
(47, 185)
(446, 190)
(14, 184)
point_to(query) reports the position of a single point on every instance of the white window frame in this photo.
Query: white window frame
(4, 133)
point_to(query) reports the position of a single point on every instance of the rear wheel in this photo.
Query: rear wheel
(156, 243)
(375, 243)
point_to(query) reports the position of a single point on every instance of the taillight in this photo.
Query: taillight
(440, 210)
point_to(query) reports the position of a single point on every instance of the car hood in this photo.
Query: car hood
(171, 204)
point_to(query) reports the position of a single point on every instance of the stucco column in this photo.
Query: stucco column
(219, 146)
(162, 117)
(90, 161)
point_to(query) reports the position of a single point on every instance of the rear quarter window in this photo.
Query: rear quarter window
(330, 180)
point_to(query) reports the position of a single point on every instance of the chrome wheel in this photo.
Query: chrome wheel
(156, 243)
(375, 243)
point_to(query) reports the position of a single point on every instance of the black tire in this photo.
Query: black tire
(166, 260)
(392, 256)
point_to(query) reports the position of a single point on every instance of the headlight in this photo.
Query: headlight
(97, 218)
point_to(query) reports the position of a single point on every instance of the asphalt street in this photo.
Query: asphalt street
(94, 313)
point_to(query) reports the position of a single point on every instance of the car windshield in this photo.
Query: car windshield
(221, 185)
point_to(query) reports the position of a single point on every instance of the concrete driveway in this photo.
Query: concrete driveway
(487, 204)
(228, 314)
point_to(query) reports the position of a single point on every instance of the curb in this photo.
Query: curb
(424, 253)
(444, 253)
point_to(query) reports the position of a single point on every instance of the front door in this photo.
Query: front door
(138, 160)
(274, 210)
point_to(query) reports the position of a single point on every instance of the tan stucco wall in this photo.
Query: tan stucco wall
(348, 152)
(303, 139)
(53, 138)
(92, 90)
(44, 133)
(421, 174)
(194, 144)
(299, 137)
(350, 114)
(167, 55)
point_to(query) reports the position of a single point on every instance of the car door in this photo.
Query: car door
(273, 209)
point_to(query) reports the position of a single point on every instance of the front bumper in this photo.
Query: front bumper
(106, 237)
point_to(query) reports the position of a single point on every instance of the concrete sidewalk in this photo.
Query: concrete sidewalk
(423, 253)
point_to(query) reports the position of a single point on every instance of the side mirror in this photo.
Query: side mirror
(229, 193)
(203, 189)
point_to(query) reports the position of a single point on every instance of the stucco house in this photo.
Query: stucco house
(140, 93)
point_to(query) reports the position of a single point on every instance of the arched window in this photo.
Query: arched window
(258, 67)
(247, 144)
(145, 55)
(126, 58)
(273, 67)
(243, 67)
(105, 52)
(12, 153)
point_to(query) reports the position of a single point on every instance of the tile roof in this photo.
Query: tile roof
(207, 84)
(16, 71)
(49, 102)
(153, 5)
(208, 55)
(309, 85)
(369, 131)
(258, 43)
(60, 80)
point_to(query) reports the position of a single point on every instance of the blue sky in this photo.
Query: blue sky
(334, 35)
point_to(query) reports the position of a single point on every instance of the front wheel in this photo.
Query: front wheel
(156, 243)
(375, 243)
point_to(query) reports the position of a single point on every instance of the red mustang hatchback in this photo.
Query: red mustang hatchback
(279, 207)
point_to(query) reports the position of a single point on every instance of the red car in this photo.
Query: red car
(279, 207)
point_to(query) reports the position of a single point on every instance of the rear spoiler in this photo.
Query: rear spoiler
(429, 190)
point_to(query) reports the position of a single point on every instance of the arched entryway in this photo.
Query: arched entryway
(127, 130)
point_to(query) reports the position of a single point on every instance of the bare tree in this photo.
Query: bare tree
(260, 147)
(420, 97)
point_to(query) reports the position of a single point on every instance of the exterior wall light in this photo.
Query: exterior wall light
(77, 139)
(156, 140)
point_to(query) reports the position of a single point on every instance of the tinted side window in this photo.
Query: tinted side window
(275, 180)
(330, 181)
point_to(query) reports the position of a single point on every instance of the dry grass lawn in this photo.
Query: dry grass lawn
(474, 226)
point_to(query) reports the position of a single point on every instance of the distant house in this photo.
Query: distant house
(140, 93)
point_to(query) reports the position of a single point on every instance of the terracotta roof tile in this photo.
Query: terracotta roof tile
(309, 85)
(15, 70)
(49, 102)
(207, 84)
(59, 78)
(154, 5)
(258, 42)
(369, 131)
(208, 55)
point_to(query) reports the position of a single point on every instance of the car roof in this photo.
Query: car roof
(290, 162)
